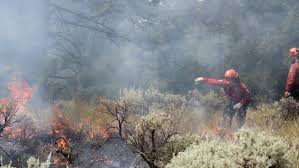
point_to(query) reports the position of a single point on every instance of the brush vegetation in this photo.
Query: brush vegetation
(168, 130)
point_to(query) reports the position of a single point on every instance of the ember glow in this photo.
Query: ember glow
(102, 132)
(63, 150)
(108, 161)
(214, 130)
(98, 136)
(62, 144)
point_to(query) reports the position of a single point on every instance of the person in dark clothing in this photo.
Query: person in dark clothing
(238, 96)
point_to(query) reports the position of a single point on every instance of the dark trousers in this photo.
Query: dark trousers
(229, 113)
(295, 93)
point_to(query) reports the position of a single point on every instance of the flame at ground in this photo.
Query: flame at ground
(214, 129)
(62, 144)
(63, 151)
(98, 136)
(60, 123)
(20, 93)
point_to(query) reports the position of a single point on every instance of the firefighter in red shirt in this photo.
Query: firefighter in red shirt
(292, 85)
(237, 93)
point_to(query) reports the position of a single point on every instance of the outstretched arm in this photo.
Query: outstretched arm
(210, 81)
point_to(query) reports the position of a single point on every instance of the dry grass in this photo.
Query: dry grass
(82, 112)
(192, 114)
(267, 117)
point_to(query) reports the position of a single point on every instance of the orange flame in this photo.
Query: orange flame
(103, 132)
(19, 93)
(60, 123)
(214, 129)
(108, 161)
(98, 134)
(62, 144)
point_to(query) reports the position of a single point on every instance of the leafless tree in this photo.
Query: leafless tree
(8, 115)
(71, 33)
(81, 20)
(120, 110)
(151, 139)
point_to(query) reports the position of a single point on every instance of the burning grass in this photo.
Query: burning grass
(73, 125)
(82, 133)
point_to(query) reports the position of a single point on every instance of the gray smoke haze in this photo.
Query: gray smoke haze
(146, 42)
(165, 36)
(23, 42)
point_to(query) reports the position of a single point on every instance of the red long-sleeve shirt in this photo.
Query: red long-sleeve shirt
(238, 93)
(293, 77)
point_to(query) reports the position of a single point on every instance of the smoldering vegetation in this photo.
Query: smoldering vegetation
(110, 83)
(147, 128)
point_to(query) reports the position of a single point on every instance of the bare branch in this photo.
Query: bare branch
(80, 16)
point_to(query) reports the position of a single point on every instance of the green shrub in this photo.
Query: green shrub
(293, 152)
(250, 150)
(151, 100)
(179, 143)
(34, 163)
(206, 154)
(289, 108)
(260, 150)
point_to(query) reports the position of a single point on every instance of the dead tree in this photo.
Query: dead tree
(119, 109)
(151, 138)
(8, 115)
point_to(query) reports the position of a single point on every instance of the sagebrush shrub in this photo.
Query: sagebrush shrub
(250, 150)
(206, 154)
(179, 143)
(293, 153)
(289, 108)
(152, 99)
(32, 162)
(35, 163)
(260, 150)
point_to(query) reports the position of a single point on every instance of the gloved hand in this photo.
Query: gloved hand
(198, 80)
(237, 106)
(287, 94)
